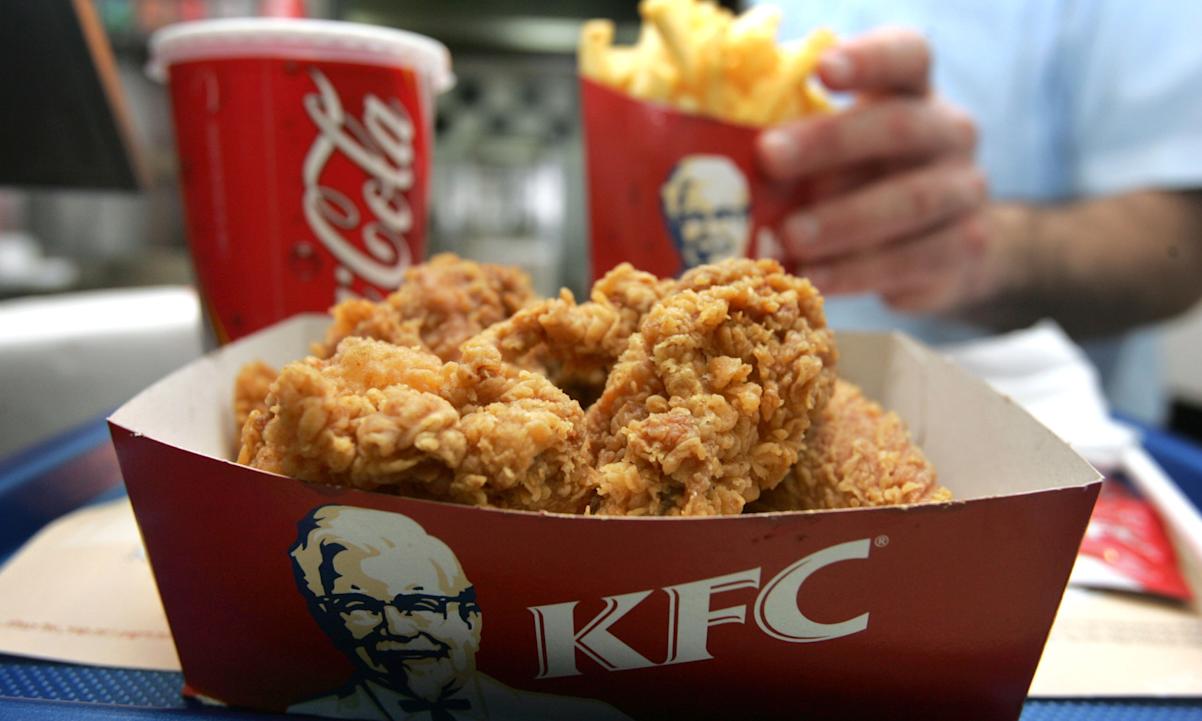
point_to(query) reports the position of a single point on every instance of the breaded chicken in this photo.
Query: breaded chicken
(710, 401)
(577, 344)
(440, 304)
(396, 419)
(719, 394)
(632, 292)
(856, 455)
(250, 390)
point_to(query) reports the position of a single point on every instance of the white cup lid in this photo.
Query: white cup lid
(300, 39)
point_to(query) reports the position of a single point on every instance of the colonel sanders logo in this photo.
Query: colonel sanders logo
(397, 602)
(705, 202)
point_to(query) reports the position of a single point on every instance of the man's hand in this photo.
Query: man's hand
(898, 206)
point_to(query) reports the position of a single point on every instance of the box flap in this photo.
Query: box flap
(958, 420)
(193, 407)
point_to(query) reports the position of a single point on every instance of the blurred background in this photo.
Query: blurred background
(508, 187)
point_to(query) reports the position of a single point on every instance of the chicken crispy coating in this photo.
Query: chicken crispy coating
(855, 455)
(250, 390)
(710, 401)
(632, 292)
(578, 344)
(440, 304)
(397, 419)
(725, 272)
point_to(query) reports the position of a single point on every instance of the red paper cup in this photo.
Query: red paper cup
(304, 149)
(668, 190)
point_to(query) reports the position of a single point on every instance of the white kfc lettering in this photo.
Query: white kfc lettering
(558, 639)
(690, 617)
(382, 146)
(776, 609)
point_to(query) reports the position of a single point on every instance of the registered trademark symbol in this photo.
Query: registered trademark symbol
(880, 541)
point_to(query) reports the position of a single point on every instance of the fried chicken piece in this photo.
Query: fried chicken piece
(632, 292)
(363, 318)
(578, 344)
(440, 304)
(250, 390)
(710, 401)
(855, 455)
(383, 417)
(722, 273)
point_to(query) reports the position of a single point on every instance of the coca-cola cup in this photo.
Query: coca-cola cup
(670, 190)
(304, 150)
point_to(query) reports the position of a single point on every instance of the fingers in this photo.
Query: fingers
(883, 211)
(846, 180)
(926, 273)
(912, 231)
(892, 60)
(904, 128)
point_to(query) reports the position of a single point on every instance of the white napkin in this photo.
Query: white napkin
(1042, 370)
(81, 591)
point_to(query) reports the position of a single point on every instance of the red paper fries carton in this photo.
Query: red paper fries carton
(669, 190)
(284, 595)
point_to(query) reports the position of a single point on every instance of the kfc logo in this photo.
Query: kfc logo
(395, 600)
(706, 202)
(690, 616)
(381, 145)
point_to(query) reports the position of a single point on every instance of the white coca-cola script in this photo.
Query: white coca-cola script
(690, 617)
(381, 144)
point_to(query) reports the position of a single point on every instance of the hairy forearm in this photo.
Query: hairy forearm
(1097, 266)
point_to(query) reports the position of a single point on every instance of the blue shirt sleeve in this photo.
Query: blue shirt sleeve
(1133, 73)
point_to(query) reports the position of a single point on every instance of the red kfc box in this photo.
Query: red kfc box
(284, 595)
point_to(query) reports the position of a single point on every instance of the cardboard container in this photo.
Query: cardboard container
(934, 611)
(669, 190)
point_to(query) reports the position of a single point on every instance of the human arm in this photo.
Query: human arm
(901, 210)
(1097, 266)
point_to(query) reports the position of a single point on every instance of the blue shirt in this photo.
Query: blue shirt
(1073, 98)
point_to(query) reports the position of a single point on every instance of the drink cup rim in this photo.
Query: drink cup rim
(306, 39)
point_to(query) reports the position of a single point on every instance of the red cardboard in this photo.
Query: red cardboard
(668, 190)
(288, 595)
(1127, 546)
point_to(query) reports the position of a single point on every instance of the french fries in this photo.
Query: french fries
(701, 58)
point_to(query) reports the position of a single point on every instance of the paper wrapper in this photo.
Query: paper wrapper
(668, 190)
